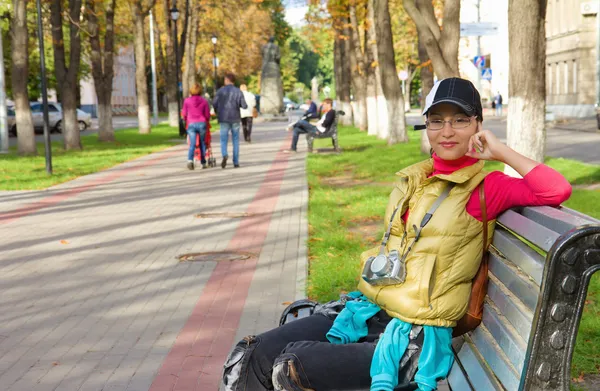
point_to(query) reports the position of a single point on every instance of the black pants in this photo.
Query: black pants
(247, 127)
(298, 357)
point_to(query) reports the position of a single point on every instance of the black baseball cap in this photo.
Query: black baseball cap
(456, 91)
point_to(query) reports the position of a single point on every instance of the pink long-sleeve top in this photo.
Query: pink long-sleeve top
(195, 109)
(541, 186)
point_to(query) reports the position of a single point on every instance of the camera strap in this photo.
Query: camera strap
(424, 222)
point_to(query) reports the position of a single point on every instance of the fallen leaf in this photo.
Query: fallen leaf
(64, 242)
(286, 303)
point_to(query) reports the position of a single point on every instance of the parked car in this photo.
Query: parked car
(289, 104)
(54, 118)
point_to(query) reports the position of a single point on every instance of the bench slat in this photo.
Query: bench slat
(519, 316)
(519, 253)
(580, 215)
(520, 286)
(509, 340)
(479, 374)
(556, 219)
(495, 358)
(537, 234)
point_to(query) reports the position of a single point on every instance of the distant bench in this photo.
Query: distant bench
(332, 133)
(533, 305)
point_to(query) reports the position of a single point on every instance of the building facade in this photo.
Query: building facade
(571, 58)
(124, 94)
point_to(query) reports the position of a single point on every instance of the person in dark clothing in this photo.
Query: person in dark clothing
(322, 126)
(311, 112)
(498, 100)
(227, 103)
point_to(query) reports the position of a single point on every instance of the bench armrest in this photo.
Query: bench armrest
(570, 263)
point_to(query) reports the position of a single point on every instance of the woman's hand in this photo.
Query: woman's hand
(484, 145)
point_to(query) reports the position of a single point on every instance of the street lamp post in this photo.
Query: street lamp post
(214, 41)
(174, 16)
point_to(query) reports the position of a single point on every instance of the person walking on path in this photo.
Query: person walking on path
(498, 100)
(303, 126)
(196, 114)
(227, 103)
(247, 114)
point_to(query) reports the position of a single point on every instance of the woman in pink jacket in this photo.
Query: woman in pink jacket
(196, 114)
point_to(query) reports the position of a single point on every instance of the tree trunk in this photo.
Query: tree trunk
(102, 66)
(357, 62)
(67, 74)
(348, 119)
(342, 73)
(372, 117)
(379, 117)
(189, 70)
(441, 44)
(426, 86)
(526, 131)
(390, 82)
(20, 70)
(141, 82)
(171, 82)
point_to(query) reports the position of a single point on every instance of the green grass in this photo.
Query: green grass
(335, 212)
(29, 173)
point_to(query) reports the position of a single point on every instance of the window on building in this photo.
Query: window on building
(557, 67)
(549, 87)
(566, 66)
(574, 76)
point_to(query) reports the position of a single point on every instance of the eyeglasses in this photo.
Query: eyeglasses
(456, 123)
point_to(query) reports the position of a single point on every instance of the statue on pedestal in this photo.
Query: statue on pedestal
(271, 88)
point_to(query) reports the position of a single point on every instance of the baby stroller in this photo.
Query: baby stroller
(210, 159)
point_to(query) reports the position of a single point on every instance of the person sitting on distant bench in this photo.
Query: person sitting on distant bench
(311, 112)
(303, 126)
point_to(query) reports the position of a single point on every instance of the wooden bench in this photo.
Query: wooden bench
(533, 305)
(330, 133)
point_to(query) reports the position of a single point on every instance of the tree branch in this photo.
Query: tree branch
(426, 10)
(432, 45)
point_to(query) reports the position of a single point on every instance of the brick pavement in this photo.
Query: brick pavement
(93, 297)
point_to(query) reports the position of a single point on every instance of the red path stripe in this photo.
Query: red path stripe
(196, 359)
(9, 217)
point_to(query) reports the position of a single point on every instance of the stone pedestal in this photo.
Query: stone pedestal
(271, 87)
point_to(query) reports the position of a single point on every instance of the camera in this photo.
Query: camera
(385, 269)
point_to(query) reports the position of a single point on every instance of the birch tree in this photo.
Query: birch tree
(526, 132)
(389, 81)
(440, 42)
(20, 70)
(102, 59)
(67, 73)
(139, 11)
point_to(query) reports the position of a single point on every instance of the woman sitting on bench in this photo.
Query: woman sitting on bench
(416, 285)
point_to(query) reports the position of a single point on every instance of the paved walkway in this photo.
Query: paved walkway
(93, 297)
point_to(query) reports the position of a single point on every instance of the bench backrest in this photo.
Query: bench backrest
(534, 302)
(333, 128)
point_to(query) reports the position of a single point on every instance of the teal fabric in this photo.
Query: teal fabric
(435, 360)
(389, 351)
(436, 357)
(351, 324)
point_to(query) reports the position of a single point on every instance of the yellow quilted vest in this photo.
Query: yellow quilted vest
(442, 264)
